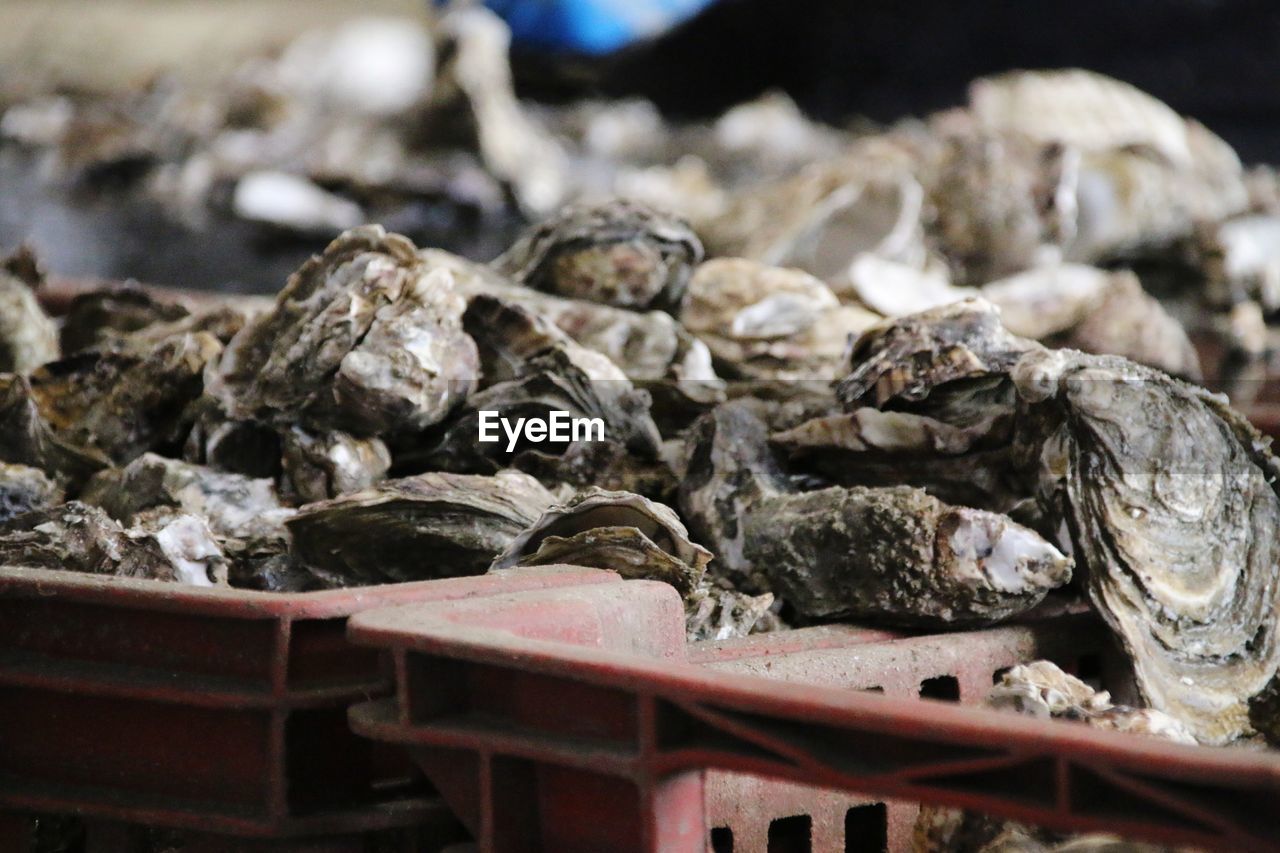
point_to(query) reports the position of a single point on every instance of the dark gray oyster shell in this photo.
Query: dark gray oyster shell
(316, 467)
(1169, 500)
(100, 318)
(416, 528)
(931, 564)
(621, 531)
(23, 489)
(28, 338)
(126, 405)
(27, 439)
(620, 253)
(366, 337)
(727, 469)
(81, 538)
(647, 346)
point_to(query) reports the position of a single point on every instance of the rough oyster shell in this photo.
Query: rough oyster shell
(932, 564)
(28, 338)
(647, 345)
(1086, 308)
(621, 531)
(23, 489)
(1169, 502)
(1241, 260)
(713, 612)
(620, 253)
(904, 359)
(770, 322)
(77, 537)
(366, 337)
(27, 439)
(316, 467)
(130, 319)
(126, 405)
(427, 526)
(728, 468)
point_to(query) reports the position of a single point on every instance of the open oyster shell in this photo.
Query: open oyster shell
(28, 338)
(1168, 497)
(366, 338)
(932, 565)
(620, 253)
(621, 531)
(415, 528)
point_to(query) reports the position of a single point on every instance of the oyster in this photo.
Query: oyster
(621, 531)
(620, 253)
(903, 360)
(1241, 260)
(1168, 498)
(101, 317)
(23, 489)
(82, 538)
(1041, 689)
(318, 467)
(727, 470)
(366, 338)
(1081, 307)
(769, 322)
(932, 565)
(427, 526)
(714, 612)
(27, 439)
(28, 338)
(126, 405)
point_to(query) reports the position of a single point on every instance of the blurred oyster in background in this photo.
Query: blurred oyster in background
(24, 488)
(28, 338)
(619, 253)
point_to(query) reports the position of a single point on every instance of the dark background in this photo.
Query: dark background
(1215, 60)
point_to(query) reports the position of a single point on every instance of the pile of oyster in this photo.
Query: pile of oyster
(921, 381)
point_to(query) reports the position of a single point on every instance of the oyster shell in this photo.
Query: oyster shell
(1041, 689)
(621, 531)
(100, 318)
(27, 439)
(1086, 308)
(321, 466)
(77, 537)
(28, 338)
(1241, 260)
(366, 338)
(620, 253)
(770, 322)
(126, 405)
(727, 470)
(23, 489)
(902, 360)
(1169, 502)
(713, 612)
(427, 526)
(932, 565)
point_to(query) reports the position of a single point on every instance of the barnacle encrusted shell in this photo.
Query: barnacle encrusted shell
(770, 322)
(1169, 499)
(620, 253)
(622, 531)
(77, 537)
(932, 564)
(414, 528)
(366, 337)
(28, 338)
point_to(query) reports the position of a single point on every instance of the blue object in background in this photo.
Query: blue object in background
(592, 27)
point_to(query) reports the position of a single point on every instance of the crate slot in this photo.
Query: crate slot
(866, 829)
(792, 834)
(945, 688)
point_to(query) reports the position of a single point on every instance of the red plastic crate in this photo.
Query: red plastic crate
(216, 710)
(575, 719)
